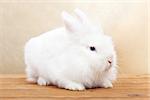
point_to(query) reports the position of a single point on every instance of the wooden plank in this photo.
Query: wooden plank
(53, 92)
(74, 98)
(26, 85)
(127, 87)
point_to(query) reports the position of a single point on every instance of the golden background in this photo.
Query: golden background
(125, 20)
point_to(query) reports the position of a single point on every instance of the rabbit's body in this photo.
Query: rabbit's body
(61, 58)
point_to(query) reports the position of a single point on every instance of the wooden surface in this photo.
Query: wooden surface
(127, 87)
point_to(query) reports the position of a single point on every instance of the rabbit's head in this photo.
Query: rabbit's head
(96, 46)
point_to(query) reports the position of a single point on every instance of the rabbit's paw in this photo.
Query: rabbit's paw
(74, 86)
(32, 80)
(107, 84)
(42, 81)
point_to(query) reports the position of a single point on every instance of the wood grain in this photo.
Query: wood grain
(127, 87)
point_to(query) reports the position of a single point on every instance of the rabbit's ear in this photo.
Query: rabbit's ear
(71, 24)
(81, 16)
(85, 20)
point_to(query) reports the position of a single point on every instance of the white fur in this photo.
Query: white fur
(62, 56)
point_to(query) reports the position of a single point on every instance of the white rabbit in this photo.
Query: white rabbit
(74, 57)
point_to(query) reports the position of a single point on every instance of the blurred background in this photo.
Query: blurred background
(125, 20)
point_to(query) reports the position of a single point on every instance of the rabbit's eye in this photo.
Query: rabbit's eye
(92, 48)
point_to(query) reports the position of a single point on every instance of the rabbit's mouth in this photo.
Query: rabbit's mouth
(109, 65)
